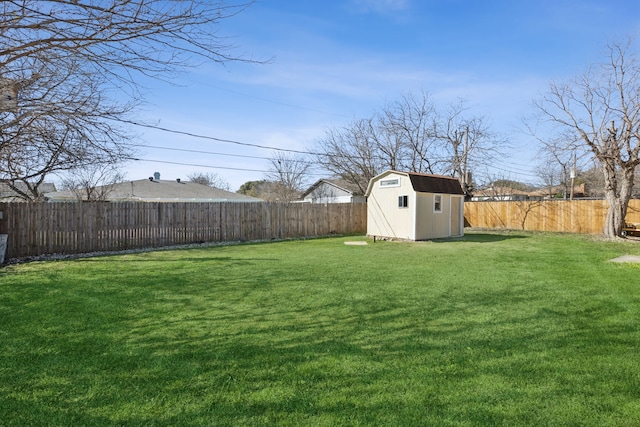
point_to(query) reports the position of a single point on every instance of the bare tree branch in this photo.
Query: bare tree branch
(93, 182)
(288, 173)
(410, 134)
(209, 179)
(76, 68)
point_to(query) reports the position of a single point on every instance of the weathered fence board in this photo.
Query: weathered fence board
(73, 227)
(576, 216)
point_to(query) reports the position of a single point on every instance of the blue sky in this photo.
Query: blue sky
(335, 61)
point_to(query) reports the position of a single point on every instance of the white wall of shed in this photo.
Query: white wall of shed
(430, 224)
(384, 217)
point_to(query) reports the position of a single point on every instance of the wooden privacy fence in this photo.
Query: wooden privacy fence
(576, 216)
(81, 227)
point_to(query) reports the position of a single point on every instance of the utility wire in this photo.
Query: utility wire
(185, 150)
(137, 159)
(194, 164)
(512, 171)
(179, 132)
(230, 141)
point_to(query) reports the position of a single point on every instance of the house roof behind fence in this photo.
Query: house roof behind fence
(7, 193)
(346, 186)
(160, 190)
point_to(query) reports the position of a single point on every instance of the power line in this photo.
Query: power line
(196, 165)
(266, 147)
(185, 150)
(503, 169)
(137, 159)
(230, 141)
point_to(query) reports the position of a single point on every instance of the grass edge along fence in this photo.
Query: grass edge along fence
(567, 216)
(73, 227)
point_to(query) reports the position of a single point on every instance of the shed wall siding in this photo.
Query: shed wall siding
(384, 217)
(430, 224)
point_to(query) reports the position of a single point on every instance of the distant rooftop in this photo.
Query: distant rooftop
(151, 190)
(347, 186)
(8, 194)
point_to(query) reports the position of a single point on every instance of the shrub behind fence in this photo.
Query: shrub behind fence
(74, 227)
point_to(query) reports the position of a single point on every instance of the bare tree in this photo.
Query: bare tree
(555, 162)
(115, 38)
(210, 180)
(601, 111)
(594, 180)
(558, 157)
(67, 65)
(289, 174)
(411, 134)
(399, 137)
(353, 153)
(62, 123)
(466, 142)
(93, 182)
(408, 128)
(552, 175)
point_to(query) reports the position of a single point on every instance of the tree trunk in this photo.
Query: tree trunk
(618, 195)
(615, 217)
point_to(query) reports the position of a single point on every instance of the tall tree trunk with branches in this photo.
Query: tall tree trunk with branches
(619, 179)
(599, 113)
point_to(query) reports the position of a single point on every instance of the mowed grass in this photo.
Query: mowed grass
(491, 329)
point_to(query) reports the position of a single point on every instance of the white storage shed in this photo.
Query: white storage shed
(414, 206)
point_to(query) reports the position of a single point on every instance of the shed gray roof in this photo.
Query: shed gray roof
(424, 183)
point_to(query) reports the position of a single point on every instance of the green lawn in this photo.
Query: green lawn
(492, 329)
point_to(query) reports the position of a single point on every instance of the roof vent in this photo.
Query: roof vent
(178, 180)
(156, 176)
(151, 178)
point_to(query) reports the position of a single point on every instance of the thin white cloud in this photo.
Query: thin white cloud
(350, 75)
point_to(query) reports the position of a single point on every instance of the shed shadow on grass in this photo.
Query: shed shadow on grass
(480, 238)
